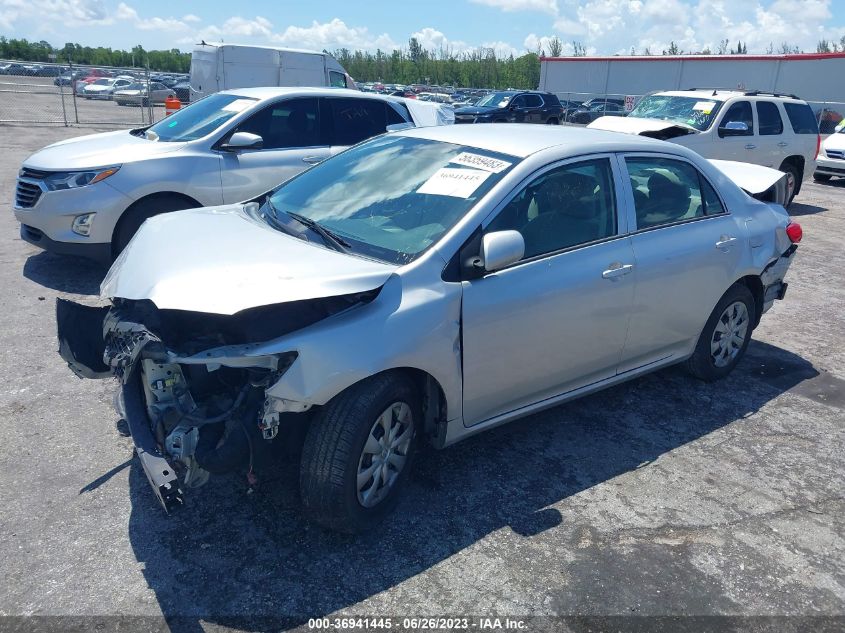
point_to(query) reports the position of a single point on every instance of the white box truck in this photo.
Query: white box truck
(216, 67)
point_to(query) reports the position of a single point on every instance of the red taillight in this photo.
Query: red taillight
(818, 145)
(794, 232)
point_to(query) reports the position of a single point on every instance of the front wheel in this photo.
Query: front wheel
(358, 453)
(821, 177)
(725, 336)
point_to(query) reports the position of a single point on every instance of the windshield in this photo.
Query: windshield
(694, 112)
(199, 119)
(393, 196)
(495, 100)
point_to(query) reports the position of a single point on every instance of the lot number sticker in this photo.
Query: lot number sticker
(480, 162)
(704, 106)
(458, 183)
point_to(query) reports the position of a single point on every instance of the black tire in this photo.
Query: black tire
(334, 446)
(552, 121)
(791, 170)
(821, 177)
(141, 211)
(702, 364)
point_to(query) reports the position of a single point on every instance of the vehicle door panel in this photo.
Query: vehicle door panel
(292, 142)
(740, 147)
(549, 324)
(683, 269)
(771, 141)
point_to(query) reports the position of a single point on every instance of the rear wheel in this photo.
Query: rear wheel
(821, 177)
(552, 121)
(141, 211)
(358, 453)
(725, 336)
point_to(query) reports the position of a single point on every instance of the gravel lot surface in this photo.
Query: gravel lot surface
(663, 496)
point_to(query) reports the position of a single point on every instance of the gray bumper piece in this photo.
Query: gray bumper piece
(159, 472)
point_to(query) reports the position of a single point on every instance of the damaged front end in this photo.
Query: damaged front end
(193, 387)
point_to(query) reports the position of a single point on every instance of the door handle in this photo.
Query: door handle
(617, 270)
(725, 241)
(750, 146)
(312, 160)
(782, 144)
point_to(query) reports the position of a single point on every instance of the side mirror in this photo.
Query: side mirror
(242, 140)
(734, 128)
(501, 249)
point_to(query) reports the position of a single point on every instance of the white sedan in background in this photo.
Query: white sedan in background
(104, 88)
(831, 160)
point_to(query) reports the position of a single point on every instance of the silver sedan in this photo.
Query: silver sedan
(424, 286)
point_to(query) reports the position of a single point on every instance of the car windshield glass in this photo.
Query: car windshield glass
(696, 112)
(495, 100)
(199, 119)
(393, 196)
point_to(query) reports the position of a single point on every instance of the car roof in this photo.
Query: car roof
(524, 139)
(270, 92)
(725, 94)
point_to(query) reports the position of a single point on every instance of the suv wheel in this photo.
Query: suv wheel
(793, 181)
(141, 211)
(725, 336)
(358, 453)
(821, 177)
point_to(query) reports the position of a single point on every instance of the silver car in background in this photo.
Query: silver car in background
(424, 286)
(87, 196)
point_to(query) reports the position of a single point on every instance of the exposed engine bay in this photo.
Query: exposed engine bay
(193, 396)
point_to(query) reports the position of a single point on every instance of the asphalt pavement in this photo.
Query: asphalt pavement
(664, 496)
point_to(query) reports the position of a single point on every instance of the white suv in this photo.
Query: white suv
(773, 130)
(88, 196)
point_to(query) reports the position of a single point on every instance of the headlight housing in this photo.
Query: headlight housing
(73, 179)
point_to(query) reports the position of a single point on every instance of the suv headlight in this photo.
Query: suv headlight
(73, 179)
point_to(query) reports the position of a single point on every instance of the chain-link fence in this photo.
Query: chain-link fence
(582, 108)
(71, 94)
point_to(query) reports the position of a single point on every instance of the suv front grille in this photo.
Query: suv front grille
(27, 192)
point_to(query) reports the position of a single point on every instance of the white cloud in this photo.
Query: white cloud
(332, 35)
(191, 18)
(545, 6)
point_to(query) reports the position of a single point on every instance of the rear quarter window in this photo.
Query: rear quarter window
(801, 117)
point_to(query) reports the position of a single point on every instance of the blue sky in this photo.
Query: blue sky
(510, 26)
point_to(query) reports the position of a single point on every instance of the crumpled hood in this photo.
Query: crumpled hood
(97, 150)
(643, 127)
(222, 260)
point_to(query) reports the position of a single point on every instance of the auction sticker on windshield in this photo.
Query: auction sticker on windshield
(238, 104)
(458, 183)
(481, 162)
(704, 106)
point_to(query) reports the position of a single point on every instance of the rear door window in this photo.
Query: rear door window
(801, 118)
(668, 191)
(768, 117)
(533, 101)
(351, 121)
